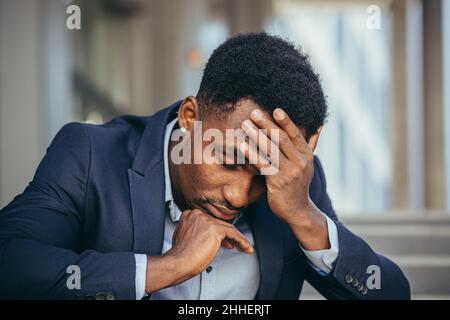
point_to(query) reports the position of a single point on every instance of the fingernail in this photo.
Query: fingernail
(279, 114)
(257, 114)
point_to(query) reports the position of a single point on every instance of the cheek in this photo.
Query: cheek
(258, 188)
(206, 177)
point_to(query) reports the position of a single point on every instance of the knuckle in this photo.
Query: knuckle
(214, 225)
(298, 135)
(220, 233)
(292, 175)
(196, 212)
(303, 164)
(283, 137)
(186, 214)
(195, 215)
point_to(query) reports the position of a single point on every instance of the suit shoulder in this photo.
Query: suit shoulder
(72, 136)
(124, 130)
(128, 124)
(116, 142)
(318, 183)
(319, 172)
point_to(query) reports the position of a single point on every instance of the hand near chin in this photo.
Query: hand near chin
(196, 241)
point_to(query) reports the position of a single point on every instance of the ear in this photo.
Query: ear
(188, 113)
(314, 139)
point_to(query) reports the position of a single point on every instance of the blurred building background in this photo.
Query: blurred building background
(385, 67)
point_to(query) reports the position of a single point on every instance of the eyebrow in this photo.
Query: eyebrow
(235, 152)
(246, 161)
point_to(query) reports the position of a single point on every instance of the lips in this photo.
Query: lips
(222, 212)
(226, 211)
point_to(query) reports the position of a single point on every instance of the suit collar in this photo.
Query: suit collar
(147, 185)
(151, 145)
(266, 229)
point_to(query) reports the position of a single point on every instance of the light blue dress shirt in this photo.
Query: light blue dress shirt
(232, 274)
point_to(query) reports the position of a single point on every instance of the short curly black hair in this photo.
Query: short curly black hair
(267, 69)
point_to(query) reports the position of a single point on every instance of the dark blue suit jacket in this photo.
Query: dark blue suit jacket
(98, 197)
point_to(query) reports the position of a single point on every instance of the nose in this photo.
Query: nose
(237, 193)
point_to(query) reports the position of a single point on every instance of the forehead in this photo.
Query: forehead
(234, 119)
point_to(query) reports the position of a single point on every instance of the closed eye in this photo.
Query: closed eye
(233, 166)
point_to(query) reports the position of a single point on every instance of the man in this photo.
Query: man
(114, 203)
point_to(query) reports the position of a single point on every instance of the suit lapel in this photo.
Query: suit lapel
(147, 201)
(266, 231)
(147, 185)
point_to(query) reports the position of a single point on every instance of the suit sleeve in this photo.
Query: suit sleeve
(356, 264)
(40, 232)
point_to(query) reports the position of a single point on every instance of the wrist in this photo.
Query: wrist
(310, 228)
(162, 272)
(304, 216)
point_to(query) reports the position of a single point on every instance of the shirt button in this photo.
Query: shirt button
(209, 269)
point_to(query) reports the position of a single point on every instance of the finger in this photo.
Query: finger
(227, 244)
(259, 139)
(294, 133)
(240, 241)
(276, 134)
(264, 121)
(314, 139)
(265, 167)
(232, 237)
(250, 152)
